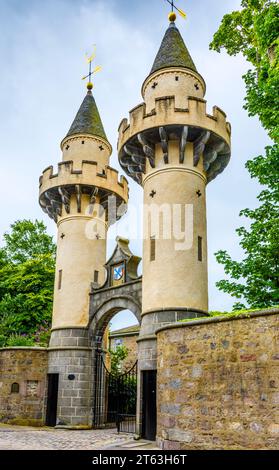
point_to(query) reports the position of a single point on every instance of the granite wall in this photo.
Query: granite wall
(218, 383)
(70, 356)
(23, 375)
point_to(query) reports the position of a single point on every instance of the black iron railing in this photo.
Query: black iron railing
(115, 397)
(126, 423)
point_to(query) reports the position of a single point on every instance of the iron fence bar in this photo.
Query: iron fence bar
(114, 396)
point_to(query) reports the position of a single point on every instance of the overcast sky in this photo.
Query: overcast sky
(42, 61)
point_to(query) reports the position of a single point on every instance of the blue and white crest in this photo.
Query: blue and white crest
(118, 272)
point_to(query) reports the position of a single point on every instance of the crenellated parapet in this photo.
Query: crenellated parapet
(58, 189)
(209, 133)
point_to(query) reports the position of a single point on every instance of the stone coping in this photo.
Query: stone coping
(146, 338)
(58, 328)
(69, 348)
(223, 318)
(173, 309)
(23, 348)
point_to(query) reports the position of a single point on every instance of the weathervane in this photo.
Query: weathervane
(89, 60)
(172, 15)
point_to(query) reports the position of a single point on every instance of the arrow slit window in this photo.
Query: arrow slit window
(152, 248)
(200, 248)
(60, 279)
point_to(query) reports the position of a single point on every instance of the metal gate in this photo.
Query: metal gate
(115, 397)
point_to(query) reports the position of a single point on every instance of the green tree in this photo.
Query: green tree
(253, 31)
(117, 357)
(128, 388)
(27, 265)
(26, 241)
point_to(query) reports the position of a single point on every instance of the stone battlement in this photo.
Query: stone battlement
(166, 113)
(87, 176)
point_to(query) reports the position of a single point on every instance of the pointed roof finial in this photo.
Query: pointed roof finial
(88, 120)
(172, 15)
(90, 59)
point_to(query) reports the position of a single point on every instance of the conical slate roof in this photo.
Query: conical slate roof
(87, 120)
(173, 52)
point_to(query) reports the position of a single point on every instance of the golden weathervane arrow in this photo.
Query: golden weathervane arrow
(172, 15)
(89, 60)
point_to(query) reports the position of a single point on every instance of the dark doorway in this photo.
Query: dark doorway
(149, 409)
(52, 395)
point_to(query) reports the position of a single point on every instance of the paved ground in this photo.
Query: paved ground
(25, 438)
(131, 444)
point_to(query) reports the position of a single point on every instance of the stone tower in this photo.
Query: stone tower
(77, 198)
(173, 147)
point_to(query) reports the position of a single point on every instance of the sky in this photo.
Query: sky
(42, 60)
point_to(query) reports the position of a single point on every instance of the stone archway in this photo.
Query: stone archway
(106, 311)
(122, 290)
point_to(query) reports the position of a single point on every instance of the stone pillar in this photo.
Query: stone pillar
(175, 237)
(80, 256)
(70, 356)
